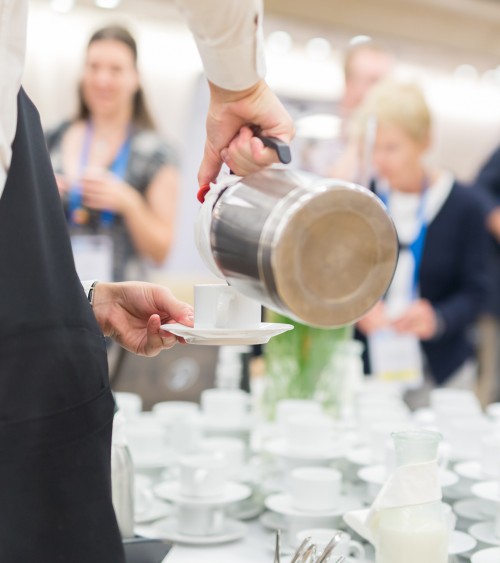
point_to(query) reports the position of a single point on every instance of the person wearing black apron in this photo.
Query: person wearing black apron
(56, 407)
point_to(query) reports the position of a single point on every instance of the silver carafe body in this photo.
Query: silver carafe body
(319, 250)
(122, 478)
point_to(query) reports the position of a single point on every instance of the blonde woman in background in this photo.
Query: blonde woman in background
(420, 331)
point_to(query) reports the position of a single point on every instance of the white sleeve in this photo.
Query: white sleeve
(13, 19)
(229, 38)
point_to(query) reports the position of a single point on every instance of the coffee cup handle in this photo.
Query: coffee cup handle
(356, 550)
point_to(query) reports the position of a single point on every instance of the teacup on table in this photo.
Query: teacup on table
(202, 476)
(309, 433)
(288, 408)
(229, 404)
(186, 432)
(231, 450)
(146, 436)
(130, 404)
(315, 489)
(465, 433)
(321, 537)
(168, 411)
(220, 306)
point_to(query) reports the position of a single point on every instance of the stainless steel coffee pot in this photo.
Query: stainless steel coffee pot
(321, 251)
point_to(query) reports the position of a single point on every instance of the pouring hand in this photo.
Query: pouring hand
(228, 112)
(247, 153)
(132, 312)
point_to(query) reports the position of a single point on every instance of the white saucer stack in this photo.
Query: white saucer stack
(314, 500)
(200, 498)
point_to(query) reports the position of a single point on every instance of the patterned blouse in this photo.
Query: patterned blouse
(148, 154)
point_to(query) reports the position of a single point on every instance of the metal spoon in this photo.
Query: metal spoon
(309, 554)
(277, 549)
(329, 548)
(302, 547)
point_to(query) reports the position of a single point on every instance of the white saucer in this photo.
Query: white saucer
(153, 460)
(471, 470)
(282, 504)
(460, 542)
(488, 490)
(227, 337)
(272, 521)
(167, 530)
(474, 509)
(485, 533)
(281, 448)
(377, 475)
(156, 510)
(171, 491)
(247, 509)
(490, 555)
(360, 456)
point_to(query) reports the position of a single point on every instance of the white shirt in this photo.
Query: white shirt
(404, 209)
(228, 34)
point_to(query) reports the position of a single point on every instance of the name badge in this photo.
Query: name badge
(396, 357)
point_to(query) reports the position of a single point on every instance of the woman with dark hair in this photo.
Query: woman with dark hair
(116, 176)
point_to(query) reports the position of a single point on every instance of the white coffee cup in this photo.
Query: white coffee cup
(321, 538)
(309, 433)
(221, 306)
(146, 436)
(367, 418)
(186, 432)
(130, 404)
(168, 411)
(202, 476)
(200, 520)
(315, 489)
(287, 408)
(231, 450)
(464, 434)
(224, 403)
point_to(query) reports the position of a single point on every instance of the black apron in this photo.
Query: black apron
(56, 408)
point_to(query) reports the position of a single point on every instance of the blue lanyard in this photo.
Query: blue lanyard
(77, 213)
(416, 247)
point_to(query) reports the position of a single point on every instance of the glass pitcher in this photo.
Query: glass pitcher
(417, 533)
